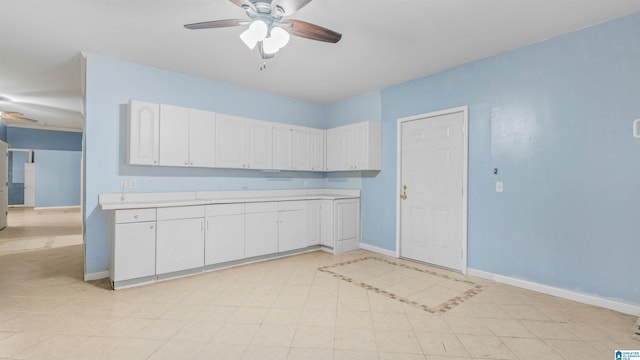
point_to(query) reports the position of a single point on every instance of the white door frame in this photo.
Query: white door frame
(465, 161)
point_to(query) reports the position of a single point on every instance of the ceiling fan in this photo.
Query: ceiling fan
(15, 116)
(267, 27)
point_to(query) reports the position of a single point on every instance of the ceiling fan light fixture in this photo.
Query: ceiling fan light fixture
(270, 46)
(256, 32)
(280, 36)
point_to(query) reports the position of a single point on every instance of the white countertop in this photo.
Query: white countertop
(116, 201)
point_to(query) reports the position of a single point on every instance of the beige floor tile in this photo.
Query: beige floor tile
(440, 344)
(354, 319)
(508, 328)
(401, 356)
(395, 321)
(236, 334)
(341, 354)
(467, 326)
(56, 345)
(310, 354)
(314, 317)
(397, 341)
(222, 351)
(355, 339)
(203, 331)
(524, 312)
(248, 315)
(260, 300)
(182, 312)
(314, 337)
(575, 349)
(321, 302)
(93, 347)
(216, 313)
(549, 330)
(480, 346)
(134, 349)
(160, 329)
(488, 311)
(277, 316)
(183, 350)
(531, 349)
(126, 327)
(255, 352)
(428, 323)
(274, 335)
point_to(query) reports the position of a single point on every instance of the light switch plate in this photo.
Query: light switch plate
(499, 186)
(133, 183)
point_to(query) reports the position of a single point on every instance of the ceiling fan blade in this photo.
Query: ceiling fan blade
(243, 3)
(214, 24)
(289, 6)
(312, 31)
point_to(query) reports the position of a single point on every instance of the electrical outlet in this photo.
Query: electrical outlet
(133, 183)
(123, 184)
(499, 186)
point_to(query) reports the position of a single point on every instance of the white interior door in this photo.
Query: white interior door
(4, 178)
(433, 168)
(29, 184)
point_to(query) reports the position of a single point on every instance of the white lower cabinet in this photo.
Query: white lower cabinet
(313, 222)
(179, 239)
(261, 228)
(152, 244)
(224, 239)
(340, 228)
(292, 225)
(133, 246)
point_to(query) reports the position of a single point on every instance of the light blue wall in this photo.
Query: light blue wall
(57, 178)
(555, 119)
(23, 138)
(110, 85)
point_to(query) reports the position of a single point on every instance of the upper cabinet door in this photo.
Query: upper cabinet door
(230, 141)
(259, 151)
(282, 138)
(301, 149)
(316, 150)
(367, 146)
(202, 145)
(333, 149)
(144, 133)
(174, 135)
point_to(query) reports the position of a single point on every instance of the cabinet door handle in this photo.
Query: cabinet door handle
(207, 225)
(151, 227)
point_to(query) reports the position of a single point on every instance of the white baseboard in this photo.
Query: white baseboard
(56, 207)
(378, 250)
(96, 275)
(631, 309)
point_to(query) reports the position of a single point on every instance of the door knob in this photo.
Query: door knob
(403, 196)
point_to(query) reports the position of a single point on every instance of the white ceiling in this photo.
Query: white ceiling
(384, 43)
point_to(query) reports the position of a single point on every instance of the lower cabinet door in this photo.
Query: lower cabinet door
(179, 245)
(224, 240)
(134, 250)
(347, 225)
(261, 233)
(292, 231)
(313, 222)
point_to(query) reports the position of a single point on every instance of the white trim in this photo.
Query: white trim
(96, 275)
(56, 207)
(378, 250)
(465, 173)
(631, 309)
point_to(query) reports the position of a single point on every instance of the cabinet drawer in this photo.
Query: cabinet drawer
(292, 205)
(180, 212)
(224, 209)
(260, 207)
(135, 215)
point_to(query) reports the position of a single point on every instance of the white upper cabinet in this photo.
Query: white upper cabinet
(298, 148)
(174, 135)
(202, 145)
(316, 150)
(282, 148)
(242, 143)
(144, 133)
(258, 154)
(230, 141)
(354, 147)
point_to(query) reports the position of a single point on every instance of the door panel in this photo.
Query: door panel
(432, 168)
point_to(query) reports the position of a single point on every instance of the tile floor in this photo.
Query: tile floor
(30, 229)
(289, 309)
(313, 306)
